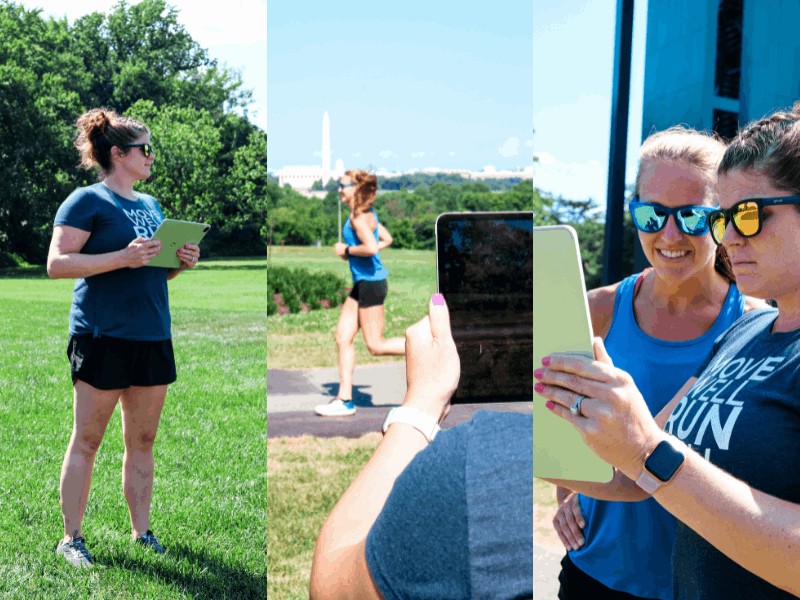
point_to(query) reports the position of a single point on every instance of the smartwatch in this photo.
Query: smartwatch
(347, 251)
(661, 464)
(407, 415)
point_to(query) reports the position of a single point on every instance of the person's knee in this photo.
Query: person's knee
(87, 443)
(141, 441)
(343, 339)
(374, 347)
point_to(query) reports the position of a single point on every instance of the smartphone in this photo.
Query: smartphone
(484, 268)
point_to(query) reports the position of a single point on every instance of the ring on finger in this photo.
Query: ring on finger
(575, 409)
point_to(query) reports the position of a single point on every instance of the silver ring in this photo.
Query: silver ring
(575, 409)
(194, 258)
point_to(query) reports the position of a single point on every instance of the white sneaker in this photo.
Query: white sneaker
(336, 408)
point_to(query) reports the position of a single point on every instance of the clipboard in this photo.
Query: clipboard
(561, 324)
(174, 234)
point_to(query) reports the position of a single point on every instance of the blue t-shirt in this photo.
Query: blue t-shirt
(628, 545)
(459, 520)
(125, 303)
(743, 415)
(364, 268)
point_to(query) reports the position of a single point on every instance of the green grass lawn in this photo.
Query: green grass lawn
(306, 340)
(307, 475)
(210, 480)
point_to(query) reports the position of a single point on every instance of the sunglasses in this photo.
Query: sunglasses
(147, 149)
(651, 217)
(746, 216)
(344, 185)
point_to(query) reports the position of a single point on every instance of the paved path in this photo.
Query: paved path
(293, 394)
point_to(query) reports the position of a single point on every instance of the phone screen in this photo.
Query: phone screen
(485, 271)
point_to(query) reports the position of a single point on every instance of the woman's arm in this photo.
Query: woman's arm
(756, 530)
(339, 568)
(363, 225)
(64, 259)
(189, 255)
(384, 237)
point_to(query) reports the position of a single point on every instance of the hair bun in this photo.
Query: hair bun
(94, 122)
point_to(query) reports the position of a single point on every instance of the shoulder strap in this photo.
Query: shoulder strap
(639, 281)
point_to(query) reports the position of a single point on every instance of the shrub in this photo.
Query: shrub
(297, 287)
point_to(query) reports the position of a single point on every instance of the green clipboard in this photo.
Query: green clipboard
(561, 324)
(174, 234)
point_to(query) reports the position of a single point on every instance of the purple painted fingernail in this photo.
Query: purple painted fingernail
(539, 387)
(546, 361)
(437, 299)
(538, 373)
(550, 405)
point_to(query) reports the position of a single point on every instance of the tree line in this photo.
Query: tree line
(211, 162)
(410, 216)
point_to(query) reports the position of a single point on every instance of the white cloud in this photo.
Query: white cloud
(572, 180)
(510, 147)
(417, 154)
(356, 155)
(529, 143)
(386, 154)
(451, 153)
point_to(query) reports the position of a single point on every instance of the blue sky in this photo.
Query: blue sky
(407, 85)
(235, 36)
(573, 44)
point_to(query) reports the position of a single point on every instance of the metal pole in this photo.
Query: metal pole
(615, 200)
(339, 200)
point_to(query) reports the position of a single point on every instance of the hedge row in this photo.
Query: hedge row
(299, 290)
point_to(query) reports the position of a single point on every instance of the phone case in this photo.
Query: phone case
(561, 324)
(174, 234)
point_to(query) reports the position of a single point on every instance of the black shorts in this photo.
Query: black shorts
(575, 584)
(108, 363)
(369, 293)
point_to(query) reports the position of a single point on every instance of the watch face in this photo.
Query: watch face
(664, 461)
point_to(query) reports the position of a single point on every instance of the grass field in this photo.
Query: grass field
(306, 340)
(210, 480)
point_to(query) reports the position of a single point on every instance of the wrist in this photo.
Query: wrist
(347, 251)
(662, 463)
(434, 409)
(413, 418)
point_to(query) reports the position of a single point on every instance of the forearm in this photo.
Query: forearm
(363, 250)
(343, 535)
(620, 489)
(76, 265)
(384, 244)
(758, 531)
(173, 273)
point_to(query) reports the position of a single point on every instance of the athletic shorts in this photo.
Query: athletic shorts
(369, 293)
(108, 363)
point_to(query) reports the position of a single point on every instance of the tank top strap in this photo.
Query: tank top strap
(626, 292)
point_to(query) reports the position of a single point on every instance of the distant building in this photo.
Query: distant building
(718, 64)
(301, 178)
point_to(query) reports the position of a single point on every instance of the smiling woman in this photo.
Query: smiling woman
(737, 505)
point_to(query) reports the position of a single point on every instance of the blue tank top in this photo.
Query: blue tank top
(628, 545)
(364, 268)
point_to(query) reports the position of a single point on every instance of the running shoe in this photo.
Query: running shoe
(336, 408)
(74, 552)
(149, 540)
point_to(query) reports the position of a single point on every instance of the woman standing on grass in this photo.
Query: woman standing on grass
(658, 325)
(120, 346)
(364, 238)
